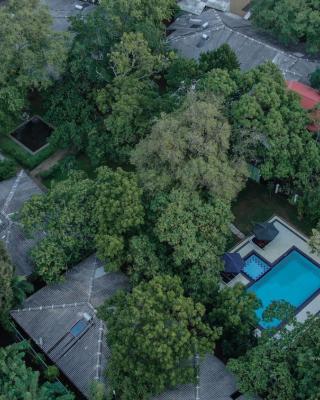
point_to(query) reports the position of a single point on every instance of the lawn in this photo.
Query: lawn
(256, 204)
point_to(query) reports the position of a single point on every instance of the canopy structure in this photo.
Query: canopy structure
(233, 263)
(265, 231)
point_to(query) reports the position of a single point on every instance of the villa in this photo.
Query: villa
(279, 265)
(61, 320)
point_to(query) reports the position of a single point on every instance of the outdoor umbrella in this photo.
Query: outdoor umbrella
(233, 263)
(265, 231)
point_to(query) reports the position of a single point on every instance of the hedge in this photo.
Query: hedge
(23, 157)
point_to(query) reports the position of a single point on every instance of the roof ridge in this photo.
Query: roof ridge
(52, 307)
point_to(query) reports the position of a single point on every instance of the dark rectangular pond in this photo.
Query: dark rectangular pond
(33, 134)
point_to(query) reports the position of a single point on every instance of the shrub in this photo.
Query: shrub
(8, 169)
(22, 156)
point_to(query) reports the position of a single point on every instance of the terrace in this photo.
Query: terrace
(284, 269)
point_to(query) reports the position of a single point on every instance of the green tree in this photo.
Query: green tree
(139, 15)
(98, 391)
(315, 239)
(71, 114)
(219, 82)
(154, 334)
(8, 169)
(269, 126)
(234, 310)
(13, 288)
(189, 149)
(181, 72)
(290, 21)
(315, 79)
(196, 233)
(223, 57)
(129, 103)
(143, 258)
(18, 381)
(282, 367)
(118, 211)
(31, 54)
(66, 215)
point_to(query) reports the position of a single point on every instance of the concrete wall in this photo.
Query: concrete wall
(236, 6)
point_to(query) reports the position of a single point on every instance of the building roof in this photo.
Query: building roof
(14, 193)
(61, 10)
(49, 315)
(309, 96)
(214, 382)
(251, 49)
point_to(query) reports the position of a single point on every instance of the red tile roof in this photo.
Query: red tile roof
(310, 98)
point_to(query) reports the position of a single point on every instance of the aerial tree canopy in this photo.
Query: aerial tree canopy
(285, 367)
(13, 288)
(223, 57)
(269, 127)
(195, 232)
(118, 211)
(32, 55)
(233, 308)
(290, 21)
(188, 149)
(18, 381)
(154, 333)
(65, 214)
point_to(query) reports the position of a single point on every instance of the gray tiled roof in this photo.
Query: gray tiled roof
(61, 10)
(251, 50)
(49, 314)
(14, 193)
(215, 382)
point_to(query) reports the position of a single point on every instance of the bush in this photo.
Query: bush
(8, 169)
(22, 156)
(51, 373)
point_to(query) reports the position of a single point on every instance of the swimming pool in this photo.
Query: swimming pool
(294, 279)
(254, 267)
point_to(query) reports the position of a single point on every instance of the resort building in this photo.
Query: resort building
(61, 320)
(278, 265)
(14, 193)
(212, 29)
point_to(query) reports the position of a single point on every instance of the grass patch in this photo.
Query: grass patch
(257, 204)
(23, 157)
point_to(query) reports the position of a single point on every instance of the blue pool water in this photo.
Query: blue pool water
(254, 267)
(294, 279)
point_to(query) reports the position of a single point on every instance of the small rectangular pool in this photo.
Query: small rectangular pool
(294, 279)
(254, 267)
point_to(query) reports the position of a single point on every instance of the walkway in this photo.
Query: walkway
(49, 162)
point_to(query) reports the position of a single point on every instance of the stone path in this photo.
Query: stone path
(49, 162)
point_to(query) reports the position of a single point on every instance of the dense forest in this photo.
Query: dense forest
(168, 141)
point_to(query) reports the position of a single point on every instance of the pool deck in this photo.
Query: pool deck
(287, 238)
